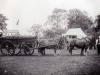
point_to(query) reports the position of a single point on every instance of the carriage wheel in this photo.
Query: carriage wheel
(7, 48)
(28, 51)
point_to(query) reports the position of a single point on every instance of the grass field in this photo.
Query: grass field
(62, 64)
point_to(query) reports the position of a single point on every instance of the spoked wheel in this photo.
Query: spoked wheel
(7, 48)
(28, 51)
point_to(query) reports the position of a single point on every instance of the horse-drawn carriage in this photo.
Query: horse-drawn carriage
(11, 45)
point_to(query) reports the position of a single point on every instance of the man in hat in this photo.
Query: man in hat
(98, 45)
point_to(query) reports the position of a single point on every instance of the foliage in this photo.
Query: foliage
(79, 19)
(58, 22)
(36, 30)
(58, 17)
(97, 21)
(49, 34)
(53, 33)
(2, 22)
(95, 28)
(61, 20)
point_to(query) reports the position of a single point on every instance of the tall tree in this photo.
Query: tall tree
(79, 19)
(57, 21)
(58, 17)
(3, 22)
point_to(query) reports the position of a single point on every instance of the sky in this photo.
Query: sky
(30, 12)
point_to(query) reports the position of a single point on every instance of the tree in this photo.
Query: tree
(57, 21)
(97, 21)
(95, 28)
(2, 22)
(79, 19)
(49, 34)
(36, 30)
(58, 17)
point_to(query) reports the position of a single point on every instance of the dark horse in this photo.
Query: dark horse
(83, 44)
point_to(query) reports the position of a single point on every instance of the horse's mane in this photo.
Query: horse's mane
(83, 39)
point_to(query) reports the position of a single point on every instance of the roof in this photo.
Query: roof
(76, 31)
(11, 31)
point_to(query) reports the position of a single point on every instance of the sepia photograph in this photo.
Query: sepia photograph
(49, 37)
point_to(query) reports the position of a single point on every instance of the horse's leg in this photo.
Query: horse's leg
(87, 50)
(55, 52)
(70, 51)
(54, 48)
(43, 51)
(68, 46)
(71, 47)
(82, 50)
(86, 53)
(39, 51)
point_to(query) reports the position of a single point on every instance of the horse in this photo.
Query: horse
(46, 44)
(82, 43)
(52, 43)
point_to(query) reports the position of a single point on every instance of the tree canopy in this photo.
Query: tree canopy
(97, 21)
(3, 22)
(95, 28)
(36, 30)
(58, 22)
(79, 19)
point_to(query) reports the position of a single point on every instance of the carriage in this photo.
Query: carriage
(11, 45)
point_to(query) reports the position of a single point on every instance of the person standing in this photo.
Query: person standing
(98, 45)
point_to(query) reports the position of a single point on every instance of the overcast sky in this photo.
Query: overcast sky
(31, 12)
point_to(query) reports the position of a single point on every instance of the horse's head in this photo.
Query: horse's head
(89, 39)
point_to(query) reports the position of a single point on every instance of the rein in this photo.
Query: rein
(87, 40)
(55, 41)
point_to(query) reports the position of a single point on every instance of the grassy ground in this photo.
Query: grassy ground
(62, 64)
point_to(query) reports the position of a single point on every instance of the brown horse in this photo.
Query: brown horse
(83, 44)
